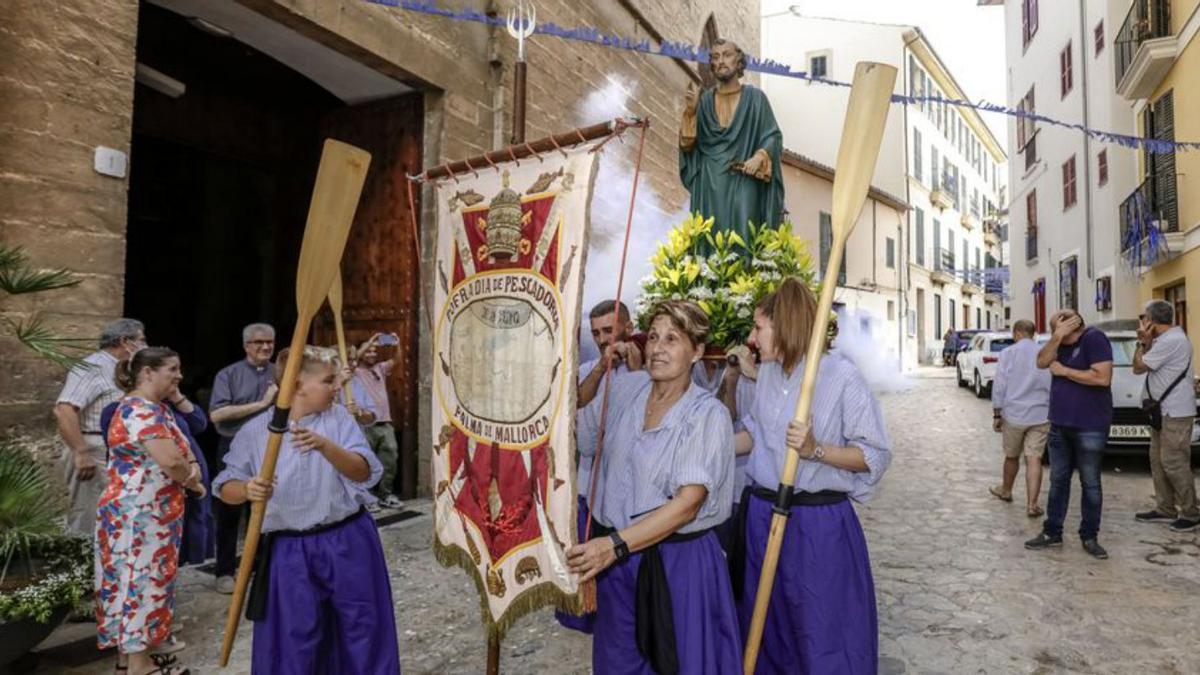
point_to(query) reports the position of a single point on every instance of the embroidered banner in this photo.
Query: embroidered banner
(510, 256)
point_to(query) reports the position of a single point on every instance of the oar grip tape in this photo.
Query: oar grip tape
(783, 500)
(279, 421)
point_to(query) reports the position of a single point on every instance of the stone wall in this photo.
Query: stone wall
(66, 86)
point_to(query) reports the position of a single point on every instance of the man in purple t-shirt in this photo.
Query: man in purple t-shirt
(1080, 360)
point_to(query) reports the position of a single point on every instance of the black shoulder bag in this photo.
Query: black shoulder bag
(1153, 408)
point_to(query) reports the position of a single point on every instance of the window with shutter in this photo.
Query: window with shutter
(1102, 167)
(1068, 178)
(937, 245)
(1098, 37)
(1066, 75)
(1161, 165)
(920, 238)
(917, 151)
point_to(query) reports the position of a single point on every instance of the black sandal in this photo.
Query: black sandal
(167, 665)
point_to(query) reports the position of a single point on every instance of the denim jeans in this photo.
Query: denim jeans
(1070, 450)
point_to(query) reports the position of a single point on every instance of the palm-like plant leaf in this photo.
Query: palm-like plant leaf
(18, 278)
(36, 335)
(29, 510)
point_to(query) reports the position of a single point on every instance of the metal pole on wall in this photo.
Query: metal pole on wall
(521, 25)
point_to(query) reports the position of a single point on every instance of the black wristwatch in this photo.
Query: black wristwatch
(620, 548)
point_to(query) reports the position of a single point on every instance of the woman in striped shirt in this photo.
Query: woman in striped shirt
(822, 613)
(663, 599)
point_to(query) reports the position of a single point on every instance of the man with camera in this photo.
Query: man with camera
(1080, 361)
(1165, 355)
(373, 410)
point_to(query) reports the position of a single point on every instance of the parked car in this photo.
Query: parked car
(962, 340)
(1130, 431)
(977, 363)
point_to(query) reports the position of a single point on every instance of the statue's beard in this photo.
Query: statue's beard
(726, 76)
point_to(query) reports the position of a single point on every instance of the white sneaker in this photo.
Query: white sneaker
(225, 585)
(171, 645)
(373, 507)
(391, 502)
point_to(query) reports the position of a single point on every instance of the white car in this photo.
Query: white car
(977, 363)
(1130, 427)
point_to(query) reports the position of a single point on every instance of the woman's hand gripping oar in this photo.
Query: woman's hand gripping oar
(866, 117)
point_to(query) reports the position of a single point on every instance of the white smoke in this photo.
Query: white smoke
(862, 340)
(652, 216)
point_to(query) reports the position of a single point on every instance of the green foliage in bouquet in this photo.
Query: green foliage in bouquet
(730, 280)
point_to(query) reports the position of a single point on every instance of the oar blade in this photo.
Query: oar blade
(862, 134)
(335, 198)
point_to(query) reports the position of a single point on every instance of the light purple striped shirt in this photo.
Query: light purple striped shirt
(844, 413)
(1021, 390)
(309, 491)
(587, 426)
(642, 470)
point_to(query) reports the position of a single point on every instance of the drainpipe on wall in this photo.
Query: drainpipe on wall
(903, 281)
(496, 79)
(1087, 141)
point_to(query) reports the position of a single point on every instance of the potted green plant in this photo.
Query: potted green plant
(43, 573)
(723, 273)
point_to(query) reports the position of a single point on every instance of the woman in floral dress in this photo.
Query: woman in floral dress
(139, 519)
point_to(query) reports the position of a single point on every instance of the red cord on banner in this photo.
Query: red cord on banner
(637, 170)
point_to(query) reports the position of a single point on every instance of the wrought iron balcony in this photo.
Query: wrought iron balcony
(1149, 220)
(1144, 49)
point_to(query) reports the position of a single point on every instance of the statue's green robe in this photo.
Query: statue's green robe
(732, 198)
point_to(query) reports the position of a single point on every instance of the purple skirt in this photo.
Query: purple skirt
(822, 613)
(329, 605)
(704, 614)
(582, 622)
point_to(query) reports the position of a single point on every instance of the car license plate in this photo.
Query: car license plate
(1129, 431)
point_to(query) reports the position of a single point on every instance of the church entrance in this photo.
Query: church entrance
(230, 111)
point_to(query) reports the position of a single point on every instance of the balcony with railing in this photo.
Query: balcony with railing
(1144, 49)
(1149, 223)
(943, 266)
(1031, 244)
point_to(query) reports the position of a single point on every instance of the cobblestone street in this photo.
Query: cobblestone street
(957, 592)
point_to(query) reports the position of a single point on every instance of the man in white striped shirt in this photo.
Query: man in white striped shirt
(1021, 405)
(90, 387)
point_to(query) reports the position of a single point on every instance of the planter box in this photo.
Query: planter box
(20, 637)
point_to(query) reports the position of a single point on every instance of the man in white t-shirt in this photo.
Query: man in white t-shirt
(1164, 353)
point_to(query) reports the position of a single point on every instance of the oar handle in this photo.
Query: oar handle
(277, 428)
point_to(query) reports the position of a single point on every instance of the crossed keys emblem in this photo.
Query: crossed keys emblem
(521, 25)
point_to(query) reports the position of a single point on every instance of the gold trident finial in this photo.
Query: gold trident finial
(521, 25)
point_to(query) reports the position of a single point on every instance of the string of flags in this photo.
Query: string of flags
(689, 52)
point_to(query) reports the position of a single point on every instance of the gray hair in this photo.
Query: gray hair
(1024, 327)
(1160, 312)
(121, 329)
(249, 331)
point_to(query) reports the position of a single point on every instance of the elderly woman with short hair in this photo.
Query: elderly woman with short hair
(664, 601)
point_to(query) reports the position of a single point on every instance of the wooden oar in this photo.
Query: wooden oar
(862, 134)
(335, 304)
(335, 197)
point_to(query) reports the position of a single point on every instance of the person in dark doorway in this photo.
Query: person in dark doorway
(1080, 359)
(240, 391)
(1165, 355)
(89, 388)
(374, 412)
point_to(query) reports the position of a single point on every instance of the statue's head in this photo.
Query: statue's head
(727, 60)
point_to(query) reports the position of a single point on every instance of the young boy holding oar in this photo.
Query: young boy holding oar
(321, 600)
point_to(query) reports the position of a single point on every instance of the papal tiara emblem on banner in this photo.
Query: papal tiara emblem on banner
(504, 220)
